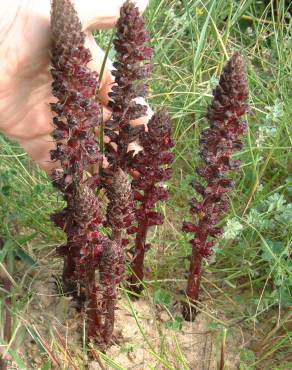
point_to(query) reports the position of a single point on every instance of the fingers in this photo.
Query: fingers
(95, 64)
(39, 150)
(38, 146)
(144, 119)
(106, 113)
(100, 14)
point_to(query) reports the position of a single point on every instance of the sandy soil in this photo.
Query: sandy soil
(150, 344)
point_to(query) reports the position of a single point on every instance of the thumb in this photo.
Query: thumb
(100, 14)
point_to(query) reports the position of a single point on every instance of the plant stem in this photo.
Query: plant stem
(109, 303)
(94, 319)
(193, 287)
(109, 298)
(68, 272)
(111, 271)
(137, 264)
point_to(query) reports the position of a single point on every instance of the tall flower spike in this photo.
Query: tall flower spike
(131, 70)
(112, 265)
(74, 85)
(120, 208)
(218, 143)
(111, 274)
(150, 169)
(87, 245)
(76, 113)
(76, 117)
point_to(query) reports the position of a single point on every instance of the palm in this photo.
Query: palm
(25, 79)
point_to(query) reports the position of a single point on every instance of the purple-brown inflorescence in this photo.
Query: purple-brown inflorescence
(111, 273)
(131, 70)
(218, 143)
(120, 207)
(76, 115)
(89, 244)
(119, 216)
(147, 167)
(150, 169)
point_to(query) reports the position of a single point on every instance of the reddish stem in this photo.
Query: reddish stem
(70, 282)
(94, 319)
(193, 287)
(109, 303)
(222, 356)
(69, 269)
(3, 364)
(109, 299)
(137, 264)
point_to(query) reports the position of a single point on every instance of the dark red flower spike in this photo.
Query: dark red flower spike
(218, 143)
(151, 168)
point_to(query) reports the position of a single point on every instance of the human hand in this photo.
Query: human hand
(25, 79)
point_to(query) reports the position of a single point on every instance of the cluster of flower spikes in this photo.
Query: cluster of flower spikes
(218, 143)
(151, 168)
(131, 69)
(76, 116)
(146, 168)
(119, 216)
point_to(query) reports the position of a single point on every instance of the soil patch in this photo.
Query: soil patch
(150, 337)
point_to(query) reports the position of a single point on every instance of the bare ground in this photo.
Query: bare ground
(145, 339)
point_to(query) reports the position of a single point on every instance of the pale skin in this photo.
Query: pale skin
(25, 79)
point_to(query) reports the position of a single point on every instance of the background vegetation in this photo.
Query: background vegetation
(248, 283)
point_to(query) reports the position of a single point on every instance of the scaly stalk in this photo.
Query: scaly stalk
(218, 143)
(151, 169)
(137, 264)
